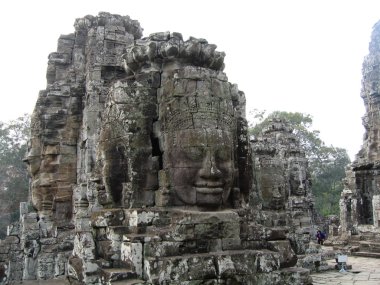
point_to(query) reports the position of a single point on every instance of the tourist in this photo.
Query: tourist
(320, 237)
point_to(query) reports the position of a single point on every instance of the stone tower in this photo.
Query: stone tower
(141, 169)
(283, 182)
(360, 200)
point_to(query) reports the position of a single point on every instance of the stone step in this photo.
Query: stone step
(138, 237)
(370, 246)
(229, 264)
(118, 274)
(296, 273)
(129, 282)
(355, 248)
(366, 254)
(369, 236)
(370, 242)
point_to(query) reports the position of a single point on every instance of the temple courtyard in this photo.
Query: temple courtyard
(365, 271)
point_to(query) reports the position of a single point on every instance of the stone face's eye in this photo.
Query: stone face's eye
(223, 154)
(195, 153)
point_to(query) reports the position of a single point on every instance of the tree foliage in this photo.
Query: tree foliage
(13, 172)
(327, 163)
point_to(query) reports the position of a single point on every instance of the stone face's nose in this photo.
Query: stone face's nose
(276, 193)
(210, 170)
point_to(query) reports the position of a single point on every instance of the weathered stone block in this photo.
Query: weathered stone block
(107, 217)
(193, 217)
(11, 240)
(253, 244)
(49, 248)
(162, 248)
(277, 233)
(247, 262)
(65, 43)
(180, 233)
(60, 58)
(225, 266)
(132, 255)
(267, 262)
(84, 245)
(296, 275)
(4, 248)
(31, 234)
(287, 256)
(45, 267)
(206, 231)
(201, 267)
(230, 229)
(149, 79)
(14, 229)
(231, 243)
(215, 245)
(104, 249)
(165, 270)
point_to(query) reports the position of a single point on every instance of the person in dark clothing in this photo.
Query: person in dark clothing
(320, 237)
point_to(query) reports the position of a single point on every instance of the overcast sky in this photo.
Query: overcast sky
(302, 56)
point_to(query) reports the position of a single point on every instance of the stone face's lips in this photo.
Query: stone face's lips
(209, 190)
(209, 184)
(277, 200)
(277, 203)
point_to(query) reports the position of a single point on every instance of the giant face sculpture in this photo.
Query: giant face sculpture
(201, 166)
(271, 182)
(199, 138)
(298, 179)
(200, 124)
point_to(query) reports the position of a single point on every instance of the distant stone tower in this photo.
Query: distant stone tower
(283, 182)
(360, 200)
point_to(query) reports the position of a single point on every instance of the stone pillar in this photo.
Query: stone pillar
(376, 210)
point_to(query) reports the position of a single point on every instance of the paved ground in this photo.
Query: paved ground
(365, 271)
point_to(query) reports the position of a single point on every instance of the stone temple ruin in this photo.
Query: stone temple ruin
(360, 200)
(142, 170)
(284, 183)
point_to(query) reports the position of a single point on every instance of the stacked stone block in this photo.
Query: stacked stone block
(164, 246)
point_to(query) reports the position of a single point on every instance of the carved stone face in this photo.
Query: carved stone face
(271, 183)
(298, 180)
(201, 166)
(273, 197)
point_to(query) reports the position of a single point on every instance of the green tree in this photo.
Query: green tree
(327, 163)
(13, 172)
(327, 180)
